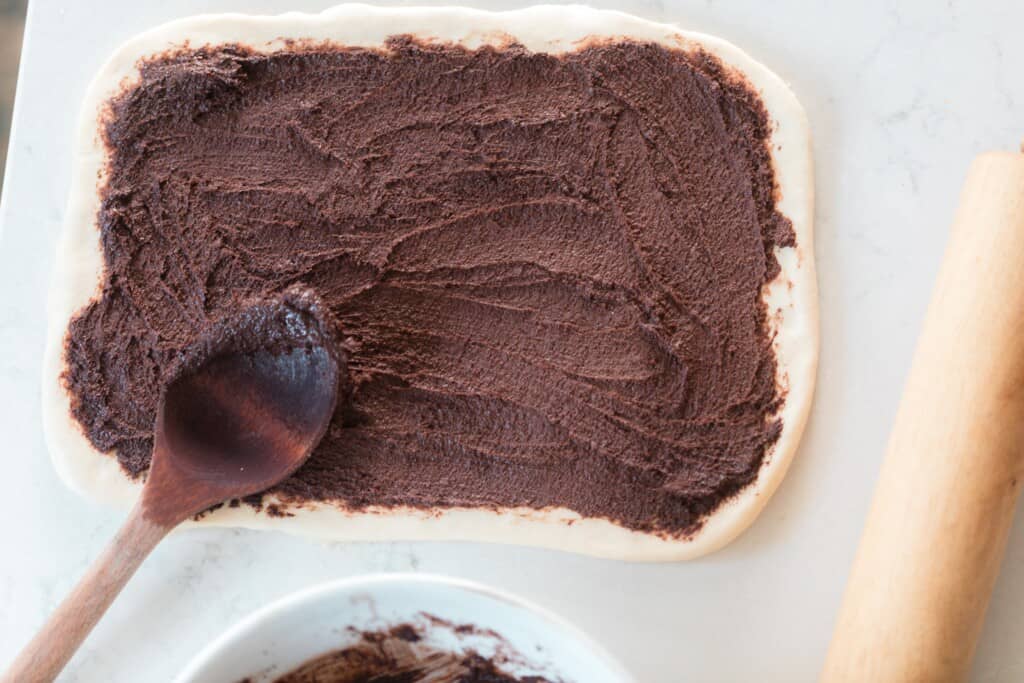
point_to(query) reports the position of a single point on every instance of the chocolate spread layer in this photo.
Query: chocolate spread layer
(548, 270)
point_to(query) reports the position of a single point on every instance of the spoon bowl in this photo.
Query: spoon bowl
(239, 424)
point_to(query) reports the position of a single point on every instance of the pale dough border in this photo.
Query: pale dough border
(792, 298)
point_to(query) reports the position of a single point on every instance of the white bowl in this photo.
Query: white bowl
(301, 626)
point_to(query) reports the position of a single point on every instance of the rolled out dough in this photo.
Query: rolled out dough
(791, 298)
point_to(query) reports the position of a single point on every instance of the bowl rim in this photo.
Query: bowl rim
(241, 628)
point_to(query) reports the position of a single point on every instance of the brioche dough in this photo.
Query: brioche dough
(790, 298)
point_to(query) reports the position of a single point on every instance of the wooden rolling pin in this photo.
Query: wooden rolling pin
(937, 529)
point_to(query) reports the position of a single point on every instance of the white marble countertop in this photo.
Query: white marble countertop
(900, 93)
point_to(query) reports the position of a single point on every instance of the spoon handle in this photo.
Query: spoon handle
(51, 648)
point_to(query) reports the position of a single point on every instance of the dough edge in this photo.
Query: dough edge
(791, 298)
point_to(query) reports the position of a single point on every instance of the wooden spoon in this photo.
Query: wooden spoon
(234, 425)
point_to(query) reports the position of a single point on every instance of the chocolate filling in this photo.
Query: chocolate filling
(399, 655)
(548, 269)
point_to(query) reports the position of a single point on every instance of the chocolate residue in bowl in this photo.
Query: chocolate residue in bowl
(399, 655)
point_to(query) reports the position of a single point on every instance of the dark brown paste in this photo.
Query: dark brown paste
(548, 270)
